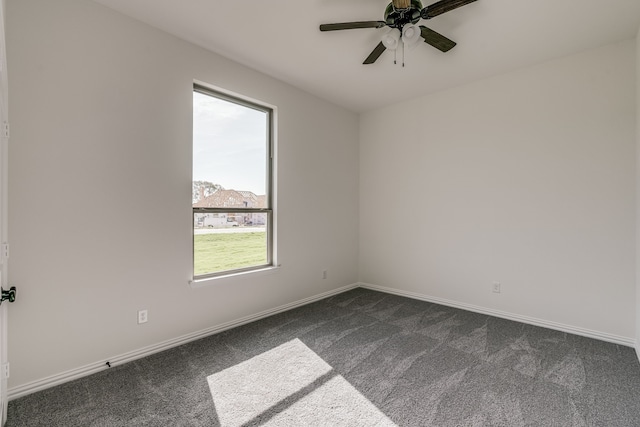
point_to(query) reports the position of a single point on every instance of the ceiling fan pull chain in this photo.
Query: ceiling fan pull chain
(404, 45)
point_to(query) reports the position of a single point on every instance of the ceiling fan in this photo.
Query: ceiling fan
(401, 17)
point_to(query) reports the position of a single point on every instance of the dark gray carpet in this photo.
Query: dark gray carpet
(413, 363)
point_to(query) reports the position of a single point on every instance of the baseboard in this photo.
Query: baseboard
(637, 347)
(602, 336)
(92, 368)
(73, 374)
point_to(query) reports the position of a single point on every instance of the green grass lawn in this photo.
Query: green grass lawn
(217, 252)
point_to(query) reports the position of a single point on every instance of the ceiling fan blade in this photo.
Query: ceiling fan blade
(441, 7)
(352, 25)
(436, 40)
(373, 56)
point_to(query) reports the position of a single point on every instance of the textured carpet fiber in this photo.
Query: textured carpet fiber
(361, 358)
(289, 386)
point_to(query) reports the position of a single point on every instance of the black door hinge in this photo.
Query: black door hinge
(8, 295)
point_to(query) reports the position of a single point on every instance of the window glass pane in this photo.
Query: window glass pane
(231, 170)
(229, 241)
(229, 153)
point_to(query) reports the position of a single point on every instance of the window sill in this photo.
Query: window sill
(208, 281)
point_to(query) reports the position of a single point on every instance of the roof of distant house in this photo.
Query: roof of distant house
(232, 199)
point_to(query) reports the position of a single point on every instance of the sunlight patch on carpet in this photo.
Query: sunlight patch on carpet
(289, 385)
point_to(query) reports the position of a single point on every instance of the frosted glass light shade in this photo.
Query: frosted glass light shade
(410, 34)
(391, 38)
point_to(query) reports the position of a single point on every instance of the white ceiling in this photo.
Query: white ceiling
(281, 38)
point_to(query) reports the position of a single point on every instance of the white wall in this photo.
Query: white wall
(525, 178)
(100, 188)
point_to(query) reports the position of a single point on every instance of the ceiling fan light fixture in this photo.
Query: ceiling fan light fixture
(391, 38)
(410, 35)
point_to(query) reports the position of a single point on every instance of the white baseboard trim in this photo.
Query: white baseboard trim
(92, 368)
(602, 336)
(637, 347)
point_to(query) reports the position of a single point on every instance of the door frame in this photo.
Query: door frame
(4, 255)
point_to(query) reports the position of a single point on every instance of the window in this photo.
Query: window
(232, 184)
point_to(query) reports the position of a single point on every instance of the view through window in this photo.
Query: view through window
(232, 211)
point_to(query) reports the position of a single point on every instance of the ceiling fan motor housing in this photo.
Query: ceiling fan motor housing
(398, 18)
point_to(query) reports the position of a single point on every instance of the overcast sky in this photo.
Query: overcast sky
(229, 144)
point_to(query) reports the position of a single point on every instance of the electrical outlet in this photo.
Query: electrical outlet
(496, 287)
(324, 274)
(143, 316)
